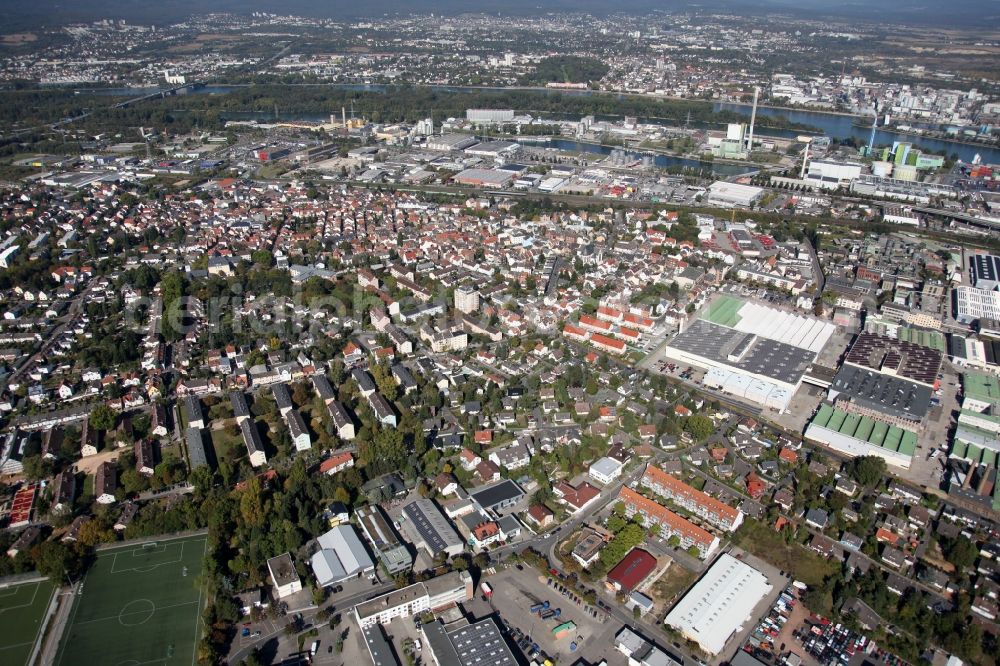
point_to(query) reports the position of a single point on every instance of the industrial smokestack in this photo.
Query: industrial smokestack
(871, 139)
(753, 119)
(805, 156)
(343, 117)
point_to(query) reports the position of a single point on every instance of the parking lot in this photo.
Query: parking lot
(800, 410)
(830, 643)
(273, 644)
(516, 591)
(772, 638)
(924, 470)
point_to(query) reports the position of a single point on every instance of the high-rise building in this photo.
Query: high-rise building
(466, 300)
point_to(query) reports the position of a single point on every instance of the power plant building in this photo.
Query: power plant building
(830, 174)
(489, 116)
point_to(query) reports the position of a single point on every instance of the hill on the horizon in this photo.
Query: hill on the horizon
(26, 14)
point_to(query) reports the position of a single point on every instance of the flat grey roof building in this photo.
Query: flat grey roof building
(984, 271)
(728, 347)
(885, 394)
(468, 644)
(501, 494)
(282, 570)
(428, 528)
(379, 649)
(376, 528)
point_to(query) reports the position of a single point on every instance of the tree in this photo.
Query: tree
(132, 481)
(628, 538)
(699, 426)
(386, 383)
(262, 258)
(301, 394)
(252, 504)
(960, 551)
(94, 532)
(54, 560)
(172, 293)
(868, 470)
(102, 417)
(36, 467)
(616, 523)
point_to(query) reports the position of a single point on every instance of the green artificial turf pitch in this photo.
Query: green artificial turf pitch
(138, 604)
(22, 609)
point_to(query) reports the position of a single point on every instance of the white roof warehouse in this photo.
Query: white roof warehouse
(341, 556)
(719, 604)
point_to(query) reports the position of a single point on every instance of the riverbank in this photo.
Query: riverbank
(793, 121)
(947, 139)
(662, 153)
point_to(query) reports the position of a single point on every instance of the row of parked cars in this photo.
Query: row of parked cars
(524, 643)
(600, 615)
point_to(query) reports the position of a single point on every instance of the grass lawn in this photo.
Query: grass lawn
(225, 443)
(138, 604)
(668, 587)
(803, 564)
(22, 610)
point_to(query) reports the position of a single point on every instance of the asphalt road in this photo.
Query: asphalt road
(343, 605)
(75, 306)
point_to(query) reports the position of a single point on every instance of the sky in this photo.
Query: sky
(18, 14)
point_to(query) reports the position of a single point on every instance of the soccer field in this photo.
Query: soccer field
(138, 604)
(22, 609)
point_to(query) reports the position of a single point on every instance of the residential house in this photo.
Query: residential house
(106, 483)
(145, 461)
(338, 462)
(298, 431)
(541, 515)
(343, 424)
(817, 518)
